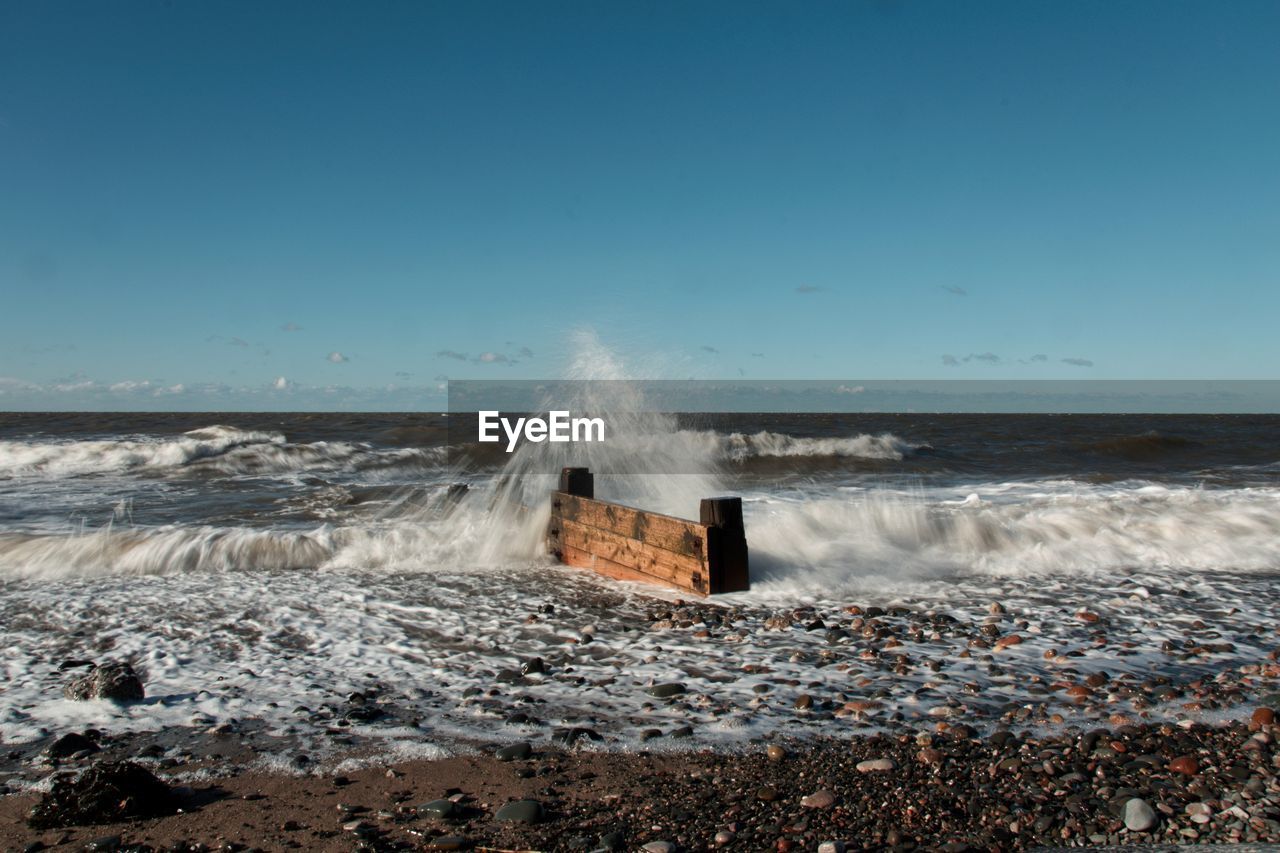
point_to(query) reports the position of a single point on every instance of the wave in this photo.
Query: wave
(827, 542)
(1136, 448)
(215, 449)
(154, 551)
(1020, 529)
(739, 447)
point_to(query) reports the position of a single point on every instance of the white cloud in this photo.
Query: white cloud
(129, 385)
(69, 387)
(337, 357)
(847, 389)
(282, 384)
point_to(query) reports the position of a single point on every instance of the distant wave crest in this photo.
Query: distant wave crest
(772, 444)
(215, 449)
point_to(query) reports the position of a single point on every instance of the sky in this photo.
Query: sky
(246, 205)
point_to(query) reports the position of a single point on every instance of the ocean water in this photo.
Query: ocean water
(264, 567)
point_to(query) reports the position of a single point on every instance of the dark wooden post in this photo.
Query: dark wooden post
(577, 481)
(726, 545)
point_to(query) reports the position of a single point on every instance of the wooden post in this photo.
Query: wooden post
(726, 544)
(578, 482)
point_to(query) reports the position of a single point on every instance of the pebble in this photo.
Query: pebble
(823, 799)
(438, 809)
(930, 756)
(449, 842)
(106, 842)
(1186, 765)
(874, 765)
(69, 744)
(666, 691)
(1263, 717)
(724, 837)
(1199, 812)
(521, 811)
(831, 847)
(775, 752)
(659, 847)
(359, 827)
(515, 751)
(1138, 815)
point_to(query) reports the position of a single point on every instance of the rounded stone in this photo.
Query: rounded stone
(666, 691)
(515, 751)
(521, 811)
(1138, 815)
(823, 799)
(438, 809)
(875, 765)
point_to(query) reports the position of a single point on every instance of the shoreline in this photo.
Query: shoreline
(944, 786)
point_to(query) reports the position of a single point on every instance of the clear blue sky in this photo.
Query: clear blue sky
(200, 202)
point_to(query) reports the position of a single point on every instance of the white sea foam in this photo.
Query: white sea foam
(738, 446)
(867, 537)
(214, 449)
(836, 539)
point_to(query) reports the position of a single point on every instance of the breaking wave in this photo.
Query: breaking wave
(739, 447)
(215, 449)
(834, 541)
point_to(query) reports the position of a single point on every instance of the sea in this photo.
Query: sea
(274, 570)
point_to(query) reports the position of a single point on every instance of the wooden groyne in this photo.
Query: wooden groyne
(705, 557)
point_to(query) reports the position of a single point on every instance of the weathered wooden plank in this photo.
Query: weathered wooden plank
(580, 559)
(664, 531)
(703, 557)
(656, 563)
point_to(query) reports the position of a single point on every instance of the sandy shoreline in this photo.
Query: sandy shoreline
(942, 786)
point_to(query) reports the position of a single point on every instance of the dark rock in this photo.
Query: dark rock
(613, 841)
(438, 809)
(70, 744)
(515, 751)
(666, 691)
(570, 736)
(107, 792)
(73, 664)
(114, 681)
(533, 666)
(521, 811)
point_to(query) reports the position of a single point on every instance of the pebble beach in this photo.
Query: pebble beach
(300, 634)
